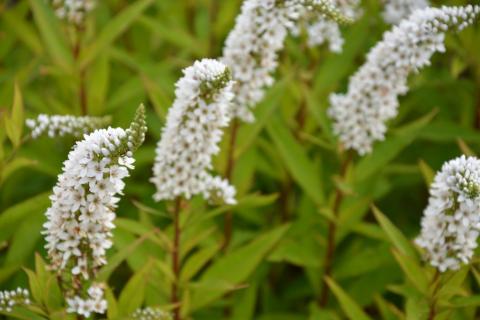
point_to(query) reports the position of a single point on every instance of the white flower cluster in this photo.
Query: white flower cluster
(252, 47)
(58, 125)
(451, 221)
(192, 133)
(322, 30)
(73, 11)
(80, 219)
(395, 11)
(12, 298)
(95, 303)
(361, 114)
(151, 314)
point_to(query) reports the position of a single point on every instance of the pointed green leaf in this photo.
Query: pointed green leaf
(302, 169)
(349, 306)
(413, 271)
(394, 234)
(235, 267)
(113, 30)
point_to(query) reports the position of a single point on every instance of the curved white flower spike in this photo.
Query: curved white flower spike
(360, 115)
(252, 47)
(395, 11)
(80, 219)
(59, 125)
(192, 133)
(451, 221)
(9, 299)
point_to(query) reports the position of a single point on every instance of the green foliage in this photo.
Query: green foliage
(287, 170)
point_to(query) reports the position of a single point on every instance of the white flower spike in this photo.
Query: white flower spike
(80, 219)
(59, 125)
(9, 299)
(451, 221)
(191, 135)
(252, 47)
(395, 11)
(360, 115)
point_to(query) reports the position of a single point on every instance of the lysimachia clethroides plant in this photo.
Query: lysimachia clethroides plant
(82, 214)
(189, 140)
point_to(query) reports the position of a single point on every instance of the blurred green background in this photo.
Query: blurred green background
(287, 161)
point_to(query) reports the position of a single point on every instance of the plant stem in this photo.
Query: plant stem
(176, 259)
(82, 90)
(228, 222)
(332, 230)
(433, 312)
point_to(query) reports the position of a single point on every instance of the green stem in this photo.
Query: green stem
(332, 230)
(176, 259)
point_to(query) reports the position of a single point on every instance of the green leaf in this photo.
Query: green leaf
(23, 30)
(302, 169)
(236, 267)
(387, 150)
(14, 165)
(395, 236)
(349, 306)
(15, 214)
(133, 294)
(113, 30)
(197, 261)
(51, 33)
(118, 258)
(427, 172)
(413, 271)
(14, 124)
(465, 302)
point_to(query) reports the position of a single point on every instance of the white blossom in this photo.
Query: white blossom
(252, 47)
(395, 11)
(192, 133)
(94, 303)
(451, 221)
(58, 125)
(74, 11)
(150, 313)
(360, 115)
(9, 299)
(80, 218)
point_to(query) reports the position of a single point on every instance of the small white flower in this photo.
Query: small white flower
(73, 10)
(150, 313)
(94, 303)
(191, 135)
(360, 115)
(451, 221)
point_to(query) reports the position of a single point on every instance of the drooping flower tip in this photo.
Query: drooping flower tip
(451, 221)
(137, 130)
(360, 115)
(9, 299)
(60, 125)
(329, 10)
(395, 11)
(252, 47)
(193, 131)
